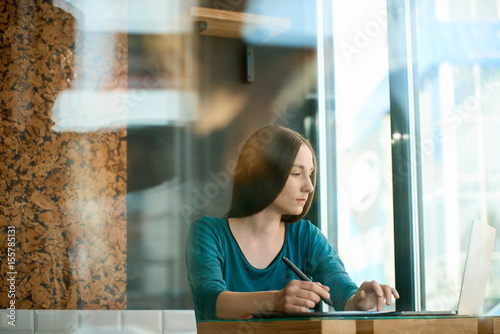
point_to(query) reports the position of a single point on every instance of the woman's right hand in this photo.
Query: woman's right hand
(300, 296)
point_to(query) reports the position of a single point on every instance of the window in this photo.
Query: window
(122, 119)
(358, 127)
(459, 90)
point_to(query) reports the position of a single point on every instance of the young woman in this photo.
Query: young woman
(234, 264)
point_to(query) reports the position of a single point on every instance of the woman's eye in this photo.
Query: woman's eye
(295, 174)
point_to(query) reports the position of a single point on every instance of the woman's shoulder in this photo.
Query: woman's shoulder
(211, 220)
(303, 225)
(308, 235)
(303, 229)
(208, 223)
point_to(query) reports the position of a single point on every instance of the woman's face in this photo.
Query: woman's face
(298, 186)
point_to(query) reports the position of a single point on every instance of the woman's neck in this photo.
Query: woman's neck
(260, 224)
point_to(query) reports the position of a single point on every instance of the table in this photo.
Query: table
(385, 325)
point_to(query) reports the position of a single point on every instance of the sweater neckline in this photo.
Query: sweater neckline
(278, 255)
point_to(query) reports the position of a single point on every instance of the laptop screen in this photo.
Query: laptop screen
(477, 268)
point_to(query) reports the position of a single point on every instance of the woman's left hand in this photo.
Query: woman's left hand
(371, 295)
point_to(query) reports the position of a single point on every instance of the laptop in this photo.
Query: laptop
(472, 292)
(477, 269)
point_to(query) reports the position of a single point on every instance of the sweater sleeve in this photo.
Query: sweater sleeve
(325, 266)
(204, 262)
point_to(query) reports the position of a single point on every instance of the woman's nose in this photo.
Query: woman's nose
(308, 186)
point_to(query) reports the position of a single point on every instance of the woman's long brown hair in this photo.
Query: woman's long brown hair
(263, 167)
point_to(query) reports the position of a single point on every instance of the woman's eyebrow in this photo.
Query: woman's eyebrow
(301, 166)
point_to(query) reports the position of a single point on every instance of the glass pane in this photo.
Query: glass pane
(363, 186)
(199, 106)
(121, 124)
(459, 84)
(63, 70)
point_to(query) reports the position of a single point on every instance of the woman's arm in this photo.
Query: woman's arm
(325, 266)
(296, 297)
(204, 260)
(243, 305)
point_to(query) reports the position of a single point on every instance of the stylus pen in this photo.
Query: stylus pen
(303, 277)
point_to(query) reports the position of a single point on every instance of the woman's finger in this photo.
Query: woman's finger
(388, 294)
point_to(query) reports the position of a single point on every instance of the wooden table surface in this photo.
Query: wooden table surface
(424, 325)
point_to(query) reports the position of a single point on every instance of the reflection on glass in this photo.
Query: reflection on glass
(189, 106)
(63, 178)
(121, 122)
